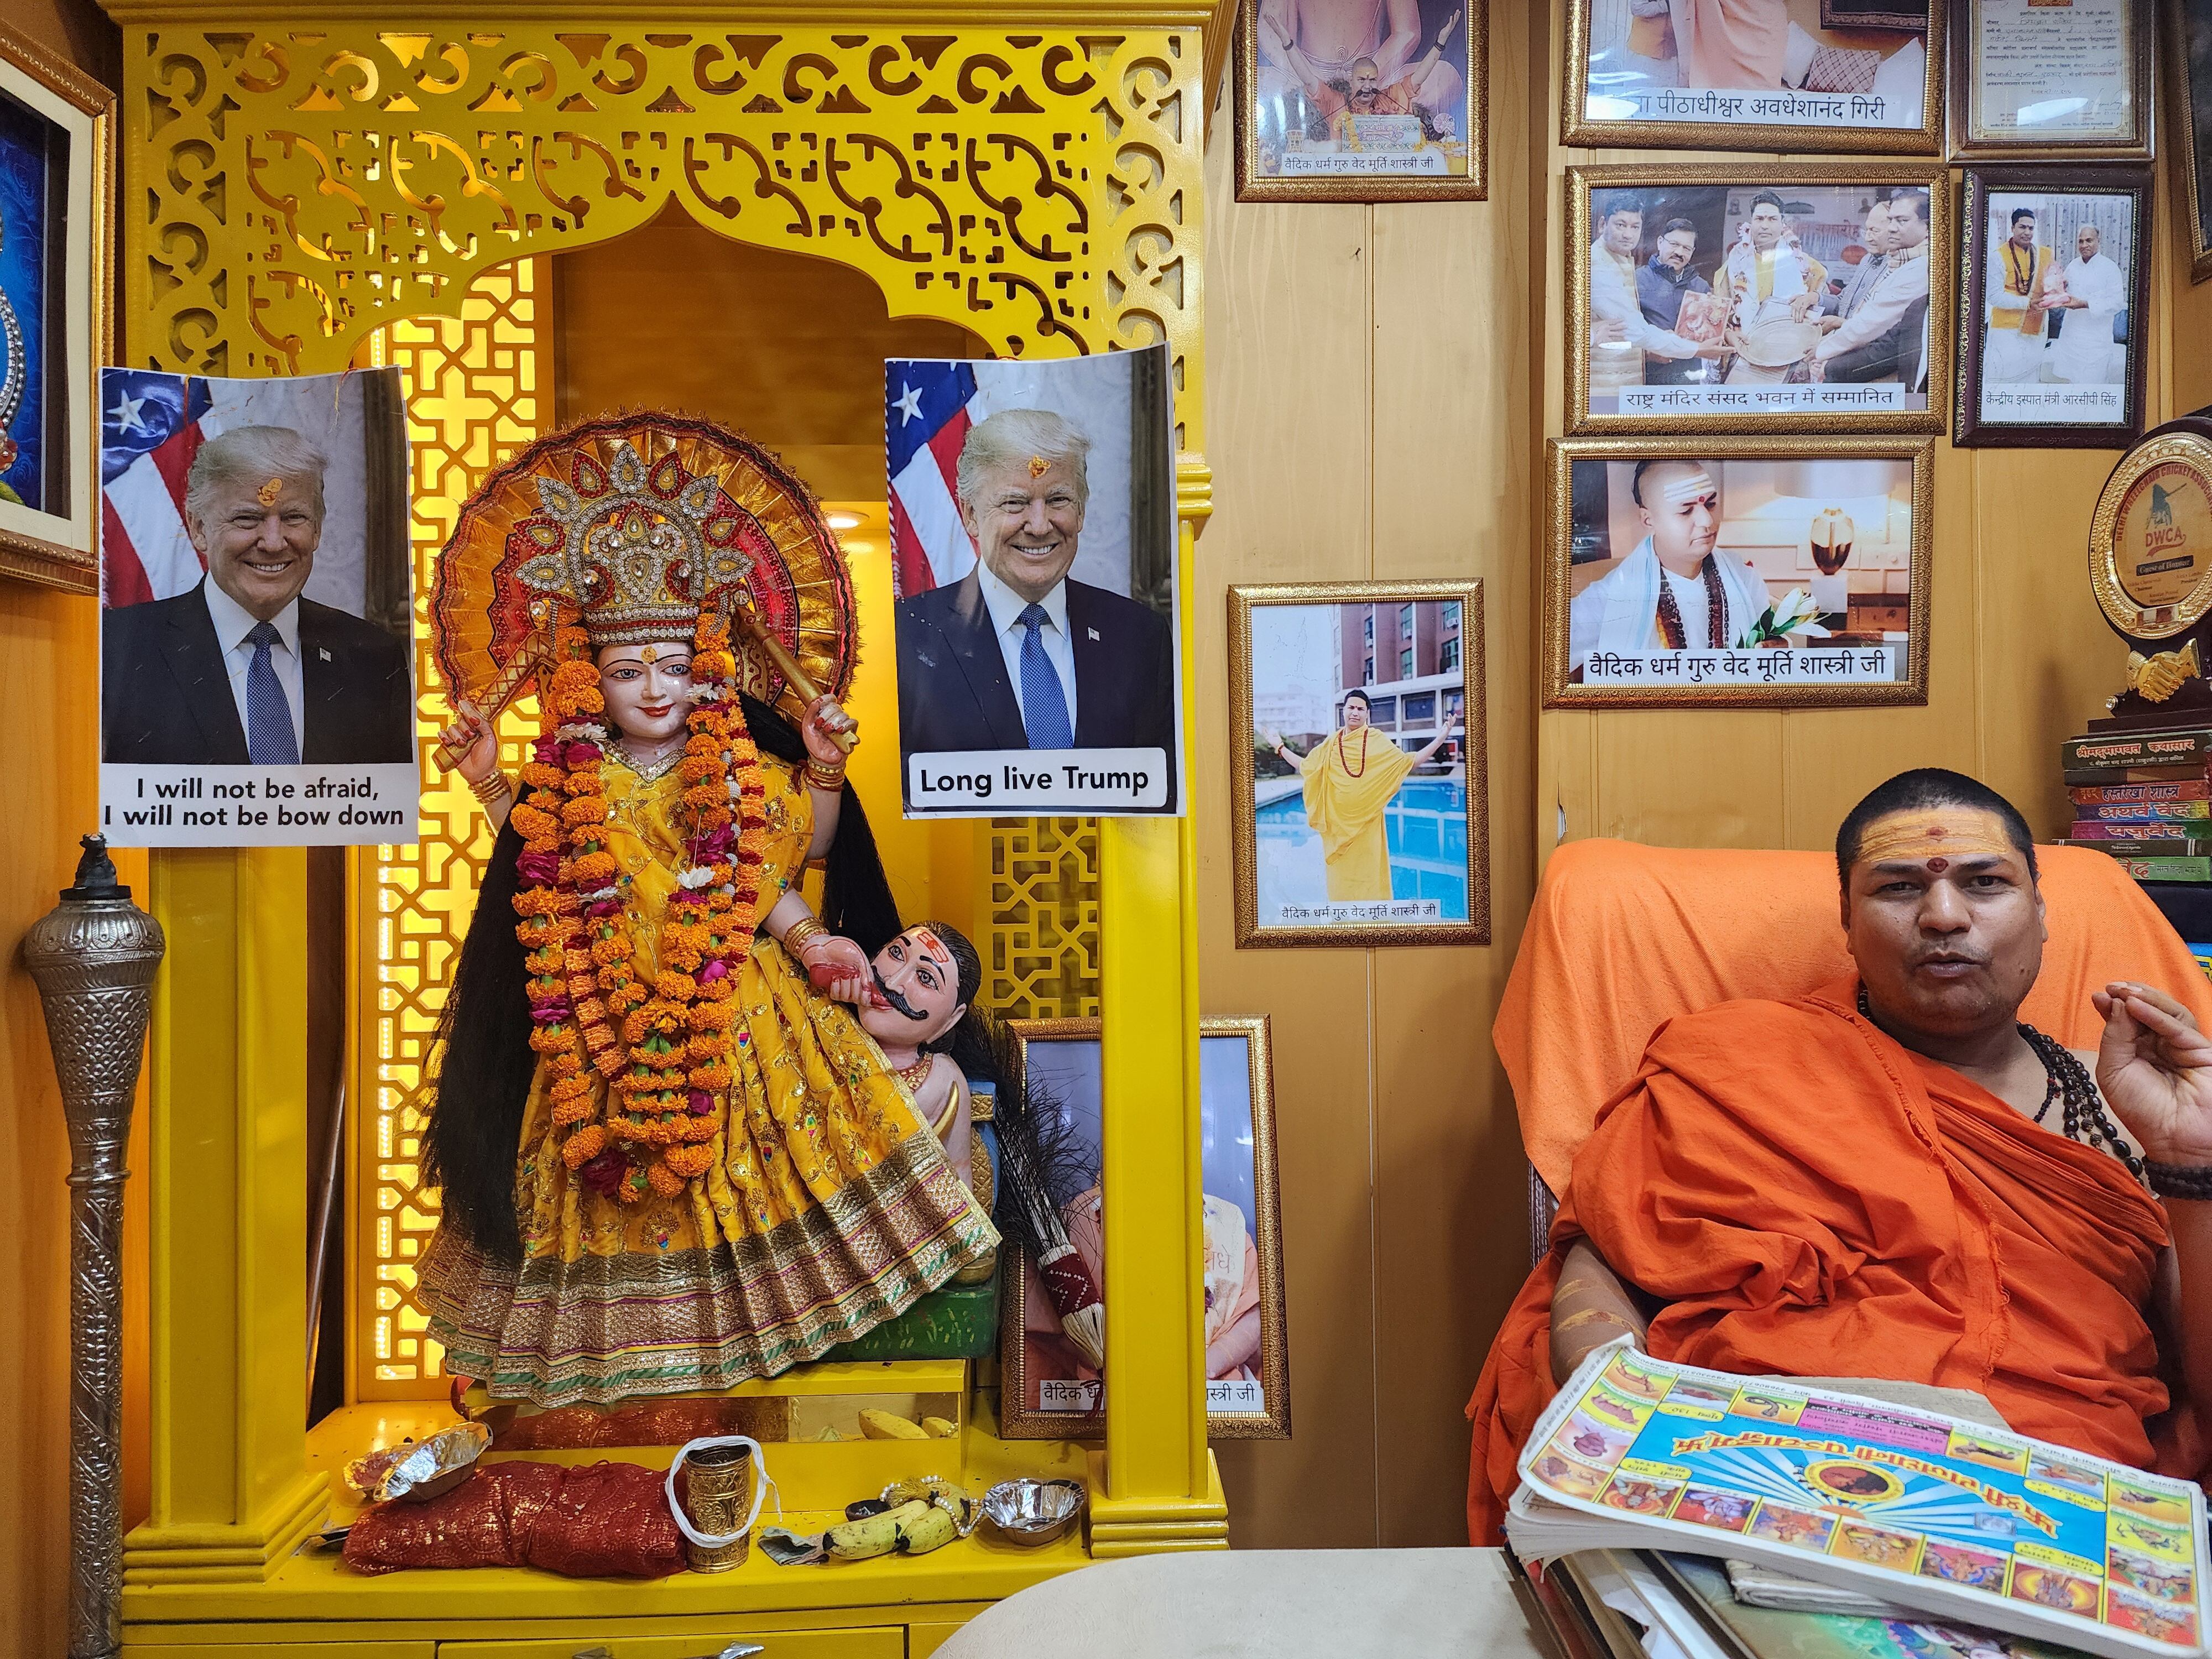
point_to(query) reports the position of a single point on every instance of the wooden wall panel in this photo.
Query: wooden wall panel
(48, 682)
(1368, 416)
(2019, 658)
(1380, 383)
(1289, 387)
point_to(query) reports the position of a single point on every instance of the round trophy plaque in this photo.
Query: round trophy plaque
(2150, 540)
(2150, 566)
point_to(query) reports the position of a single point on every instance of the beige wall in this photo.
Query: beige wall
(2018, 656)
(1368, 400)
(1376, 409)
(49, 685)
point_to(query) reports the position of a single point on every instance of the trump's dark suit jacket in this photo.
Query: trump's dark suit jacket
(954, 692)
(165, 691)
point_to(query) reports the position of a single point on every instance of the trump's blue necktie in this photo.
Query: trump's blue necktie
(1044, 701)
(269, 739)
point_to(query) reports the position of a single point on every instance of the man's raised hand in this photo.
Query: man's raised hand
(2155, 1068)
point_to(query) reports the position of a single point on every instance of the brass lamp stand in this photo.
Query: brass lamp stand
(94, 956)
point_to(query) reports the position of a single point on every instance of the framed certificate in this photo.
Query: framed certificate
(2052, 77)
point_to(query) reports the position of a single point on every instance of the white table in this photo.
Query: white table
(1282, 1604)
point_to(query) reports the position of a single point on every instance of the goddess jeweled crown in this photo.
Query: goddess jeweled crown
(638, 551)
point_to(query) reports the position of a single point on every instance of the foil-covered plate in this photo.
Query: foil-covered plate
(419, 1470)
(1032, 1512)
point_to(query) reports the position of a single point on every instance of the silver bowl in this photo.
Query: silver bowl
(1032, 1512)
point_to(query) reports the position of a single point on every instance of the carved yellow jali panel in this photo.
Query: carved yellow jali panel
(297, 199)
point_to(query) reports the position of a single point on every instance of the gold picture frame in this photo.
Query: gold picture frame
(2190, 22)
(1588, 186)
(1017, 1420)
(1719, 128)
(1683, 685)
(1969, 145)
(61, 549)
(1449, 878)
(1257, 180)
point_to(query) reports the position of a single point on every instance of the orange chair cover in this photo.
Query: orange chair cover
(1622, 937)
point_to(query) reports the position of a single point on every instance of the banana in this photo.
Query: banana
(878, 1534)
(941, 1428)
(932, 1528)
(889, 1425)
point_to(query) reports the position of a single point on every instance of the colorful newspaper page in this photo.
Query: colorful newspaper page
(1924, 1510)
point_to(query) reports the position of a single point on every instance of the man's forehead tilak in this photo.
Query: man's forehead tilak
(932, 947)
(1689, 488)
(1934, 836)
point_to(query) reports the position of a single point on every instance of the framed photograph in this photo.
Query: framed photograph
(1048, 1389)
(257, 654)
(1361, 101)
(1358, 805)
(1738, 573)
(1033, 548)
(2191, 53)
(2052, 77)
(2057, 271)
(57, 182)
(1773, 298)
(1722, 75)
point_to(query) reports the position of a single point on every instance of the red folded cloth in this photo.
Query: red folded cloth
(592, 1521)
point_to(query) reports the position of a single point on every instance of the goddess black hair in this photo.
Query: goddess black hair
(481, 1059)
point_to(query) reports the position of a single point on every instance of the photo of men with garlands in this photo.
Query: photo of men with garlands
(1359, 756)
(2053, 327)
(1747, 63)
(1361, 88)
(1686, 571)
(1756, 299)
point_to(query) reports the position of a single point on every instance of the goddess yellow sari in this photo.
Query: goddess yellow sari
(827, 1208)
(1350, 778)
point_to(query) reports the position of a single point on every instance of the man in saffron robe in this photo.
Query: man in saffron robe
(2019, 266)
(1350, 777)
(1890, 1177)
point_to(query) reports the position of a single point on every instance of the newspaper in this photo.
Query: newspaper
(1928, 1512)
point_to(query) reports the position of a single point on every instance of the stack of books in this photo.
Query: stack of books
(1975, 1539)
(2145, 797)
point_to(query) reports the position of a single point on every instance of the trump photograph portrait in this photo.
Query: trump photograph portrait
(256, 610)
(1033, 535)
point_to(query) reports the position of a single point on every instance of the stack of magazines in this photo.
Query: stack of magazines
(1916, 1520)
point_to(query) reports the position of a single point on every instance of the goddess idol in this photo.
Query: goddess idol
(671, 1158)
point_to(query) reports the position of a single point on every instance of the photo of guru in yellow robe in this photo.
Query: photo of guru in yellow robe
(1350, 777)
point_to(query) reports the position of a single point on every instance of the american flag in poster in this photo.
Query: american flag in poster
(928, 406)
(151, 425)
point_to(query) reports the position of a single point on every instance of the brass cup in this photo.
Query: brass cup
(717, 1495)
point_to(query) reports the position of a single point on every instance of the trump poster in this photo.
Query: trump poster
(257, 652)
(1033, 532)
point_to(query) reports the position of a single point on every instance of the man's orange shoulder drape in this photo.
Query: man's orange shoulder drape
(1811, 1198)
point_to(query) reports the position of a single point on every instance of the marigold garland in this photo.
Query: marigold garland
(670, 1058)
